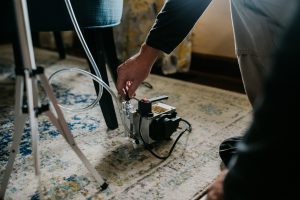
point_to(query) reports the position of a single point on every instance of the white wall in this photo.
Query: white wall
(212, 34)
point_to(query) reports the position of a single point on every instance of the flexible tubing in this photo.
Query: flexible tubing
(96, 77)
(101, 82)
(89, 56)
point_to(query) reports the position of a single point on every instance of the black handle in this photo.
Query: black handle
(159, 98)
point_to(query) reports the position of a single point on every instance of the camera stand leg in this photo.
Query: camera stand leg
(56, 118)
(20, 113)
(28, 75)
(19, 126)
(61, 125)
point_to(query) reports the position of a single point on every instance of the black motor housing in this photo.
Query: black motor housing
(164, 126)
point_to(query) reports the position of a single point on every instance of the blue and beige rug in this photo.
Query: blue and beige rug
(131, 171)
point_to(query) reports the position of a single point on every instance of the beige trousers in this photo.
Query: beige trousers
(258, 26)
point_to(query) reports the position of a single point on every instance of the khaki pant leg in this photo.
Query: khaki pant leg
(252, 71)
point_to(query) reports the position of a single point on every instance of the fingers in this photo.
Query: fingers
(121, 81)
(213, 195)
(124, 86)
(132, 88)
(126, 83)
(130, 76)
(129, 89)
(121, 85)
(215, 190)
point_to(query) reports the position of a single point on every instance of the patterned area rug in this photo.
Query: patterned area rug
(131, 171)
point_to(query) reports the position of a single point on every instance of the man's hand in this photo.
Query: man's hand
(135, 70)
(215, 191)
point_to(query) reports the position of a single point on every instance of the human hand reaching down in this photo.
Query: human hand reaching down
(215, 190)
(133, 71)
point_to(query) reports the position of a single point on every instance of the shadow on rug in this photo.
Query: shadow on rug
(132, 172)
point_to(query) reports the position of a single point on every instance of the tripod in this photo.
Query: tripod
(27, 103)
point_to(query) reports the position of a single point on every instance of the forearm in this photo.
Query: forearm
(136, 69)
(148, 54)
(174, 22)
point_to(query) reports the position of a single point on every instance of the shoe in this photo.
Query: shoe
(228, 148)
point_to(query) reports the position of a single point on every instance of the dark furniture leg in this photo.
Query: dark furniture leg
(110, 52)
(35, 38)
(59, 44)
(94, 39)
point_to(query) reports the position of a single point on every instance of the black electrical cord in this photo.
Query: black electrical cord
(189, 129)
(147, 84)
